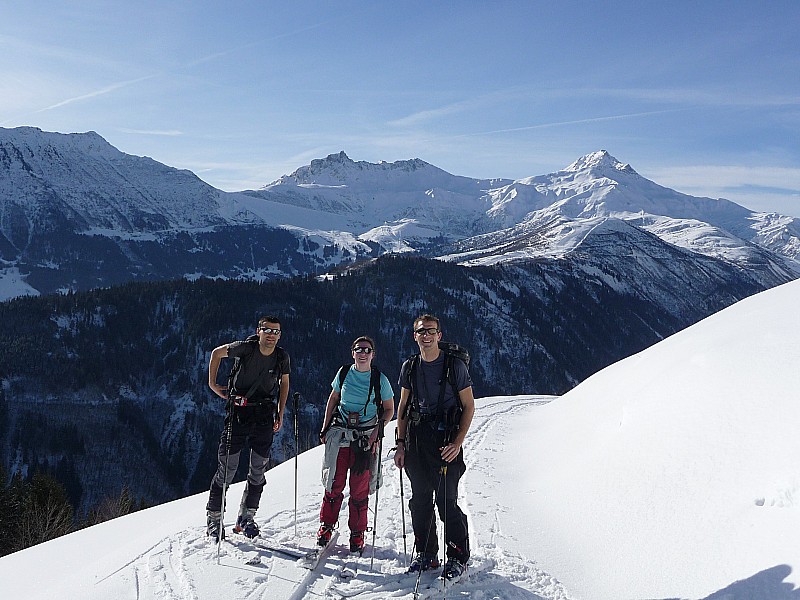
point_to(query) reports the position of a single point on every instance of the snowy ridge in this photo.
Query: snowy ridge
(337, 210)
(339, 171)
(669, 474)
(551, 236)
(596, 185)
(83, 180)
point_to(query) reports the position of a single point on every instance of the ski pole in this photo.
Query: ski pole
(403, 519)
(295, 398)
(221, 531)
(430, 526)
(444, 520)
(377, 490)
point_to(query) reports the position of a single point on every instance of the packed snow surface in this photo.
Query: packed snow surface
(671, 474)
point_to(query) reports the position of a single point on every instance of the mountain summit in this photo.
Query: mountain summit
(339, 170)
(599, 162)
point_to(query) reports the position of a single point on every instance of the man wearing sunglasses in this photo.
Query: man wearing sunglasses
(434, 415)
(258, 385)
(360, 403)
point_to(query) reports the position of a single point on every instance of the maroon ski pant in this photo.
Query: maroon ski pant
(359, 493)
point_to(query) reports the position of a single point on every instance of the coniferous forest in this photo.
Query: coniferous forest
(105, 407)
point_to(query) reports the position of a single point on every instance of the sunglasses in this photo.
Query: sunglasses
(362, 350)
(270, 330)
(428, 330)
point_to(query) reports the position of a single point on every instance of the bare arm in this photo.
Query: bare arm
(217, 354)
(388, 409)
(402, 424)
(333, 402)
(451, 450)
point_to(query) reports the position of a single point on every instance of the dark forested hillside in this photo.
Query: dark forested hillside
(107, 388)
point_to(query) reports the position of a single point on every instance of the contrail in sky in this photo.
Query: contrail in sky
(94, 94)
(562, 123)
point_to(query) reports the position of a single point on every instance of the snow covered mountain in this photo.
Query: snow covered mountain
(402, 203)
(670, 474)
(597, 187)
(76, 213)
(418, 200)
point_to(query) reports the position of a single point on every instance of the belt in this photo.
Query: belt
(239, 400)
(430, 417)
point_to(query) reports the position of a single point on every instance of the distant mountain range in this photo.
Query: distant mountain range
(76, 213)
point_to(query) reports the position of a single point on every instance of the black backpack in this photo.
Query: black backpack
(451, 352)
(252, 343)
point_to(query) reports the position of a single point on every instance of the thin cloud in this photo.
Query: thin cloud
(729, 177)
(95, 94)
(560, 124)
(687, 97)
(424, 116)
(432, 114)
(223, 53)
(692, 96)
(57, 54)
(167, 132)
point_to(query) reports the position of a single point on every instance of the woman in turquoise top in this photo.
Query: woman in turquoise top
(360, 404)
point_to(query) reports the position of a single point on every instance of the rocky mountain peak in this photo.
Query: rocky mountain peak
(599, 161)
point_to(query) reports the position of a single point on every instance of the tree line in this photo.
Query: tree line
(37, 509)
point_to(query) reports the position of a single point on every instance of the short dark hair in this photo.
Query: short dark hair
(268, 319)
(426, 317)
(363, 338)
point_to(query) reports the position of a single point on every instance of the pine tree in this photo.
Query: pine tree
(8, 514)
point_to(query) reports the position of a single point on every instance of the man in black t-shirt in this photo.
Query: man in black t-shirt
(256, 398)
(434, 415)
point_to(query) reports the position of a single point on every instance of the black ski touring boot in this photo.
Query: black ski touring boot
(453, 569)
(213, 526)
(423, 562)
(246, 525)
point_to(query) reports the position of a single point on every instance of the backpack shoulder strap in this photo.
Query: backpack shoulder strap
(450, 376)
(413, 401)
(413, 371)
(375, 387)
(280, 356)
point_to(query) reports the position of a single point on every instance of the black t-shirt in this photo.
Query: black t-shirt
(257, 367)
(427, 376)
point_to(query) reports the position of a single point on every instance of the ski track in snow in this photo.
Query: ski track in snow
(177, 567)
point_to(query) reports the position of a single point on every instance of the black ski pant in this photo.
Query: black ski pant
(251, 424)
(430, 475)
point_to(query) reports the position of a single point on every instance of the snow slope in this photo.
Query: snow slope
(674, 472)
(670, 474)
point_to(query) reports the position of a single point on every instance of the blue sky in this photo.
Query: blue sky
(703, 97)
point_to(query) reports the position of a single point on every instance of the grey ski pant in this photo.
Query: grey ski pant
(244, 428)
